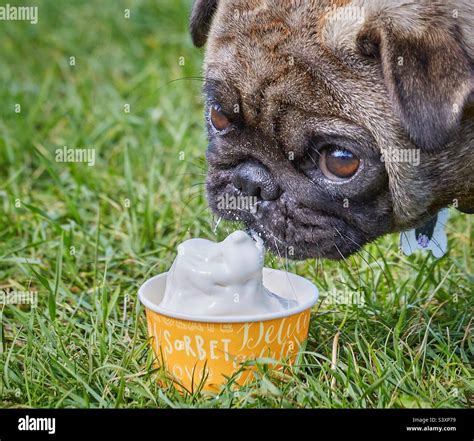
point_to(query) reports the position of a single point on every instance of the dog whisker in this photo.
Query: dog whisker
(191, 174)
(387, 279)
(202, 168)
(216, 225)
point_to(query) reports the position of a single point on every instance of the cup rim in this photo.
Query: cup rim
(308, 304)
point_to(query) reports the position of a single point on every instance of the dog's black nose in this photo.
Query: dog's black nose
(254, 179)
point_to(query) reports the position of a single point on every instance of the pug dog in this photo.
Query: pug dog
(344, 119)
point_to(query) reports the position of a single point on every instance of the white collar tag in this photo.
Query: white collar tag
(430, 236)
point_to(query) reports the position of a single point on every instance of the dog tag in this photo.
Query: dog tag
(430, 236)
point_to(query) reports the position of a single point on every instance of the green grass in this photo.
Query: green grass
(84, 238)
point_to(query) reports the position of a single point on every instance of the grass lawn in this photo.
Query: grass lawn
(83, 238)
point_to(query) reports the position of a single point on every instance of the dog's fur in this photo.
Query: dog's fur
(295, 73)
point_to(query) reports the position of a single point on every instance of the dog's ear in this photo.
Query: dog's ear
(428, 74)
(201, 18)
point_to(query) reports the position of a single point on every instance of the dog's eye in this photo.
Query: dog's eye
(337, 163)
(218, 119)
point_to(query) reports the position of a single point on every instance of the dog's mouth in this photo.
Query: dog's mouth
(287, 228)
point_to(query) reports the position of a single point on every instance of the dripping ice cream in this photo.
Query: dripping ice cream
(221, 279)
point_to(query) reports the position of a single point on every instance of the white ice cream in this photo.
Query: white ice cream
(220, 279)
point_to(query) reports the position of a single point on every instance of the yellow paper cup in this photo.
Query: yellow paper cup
(192, 348)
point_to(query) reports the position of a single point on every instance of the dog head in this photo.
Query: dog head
(340, 120)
